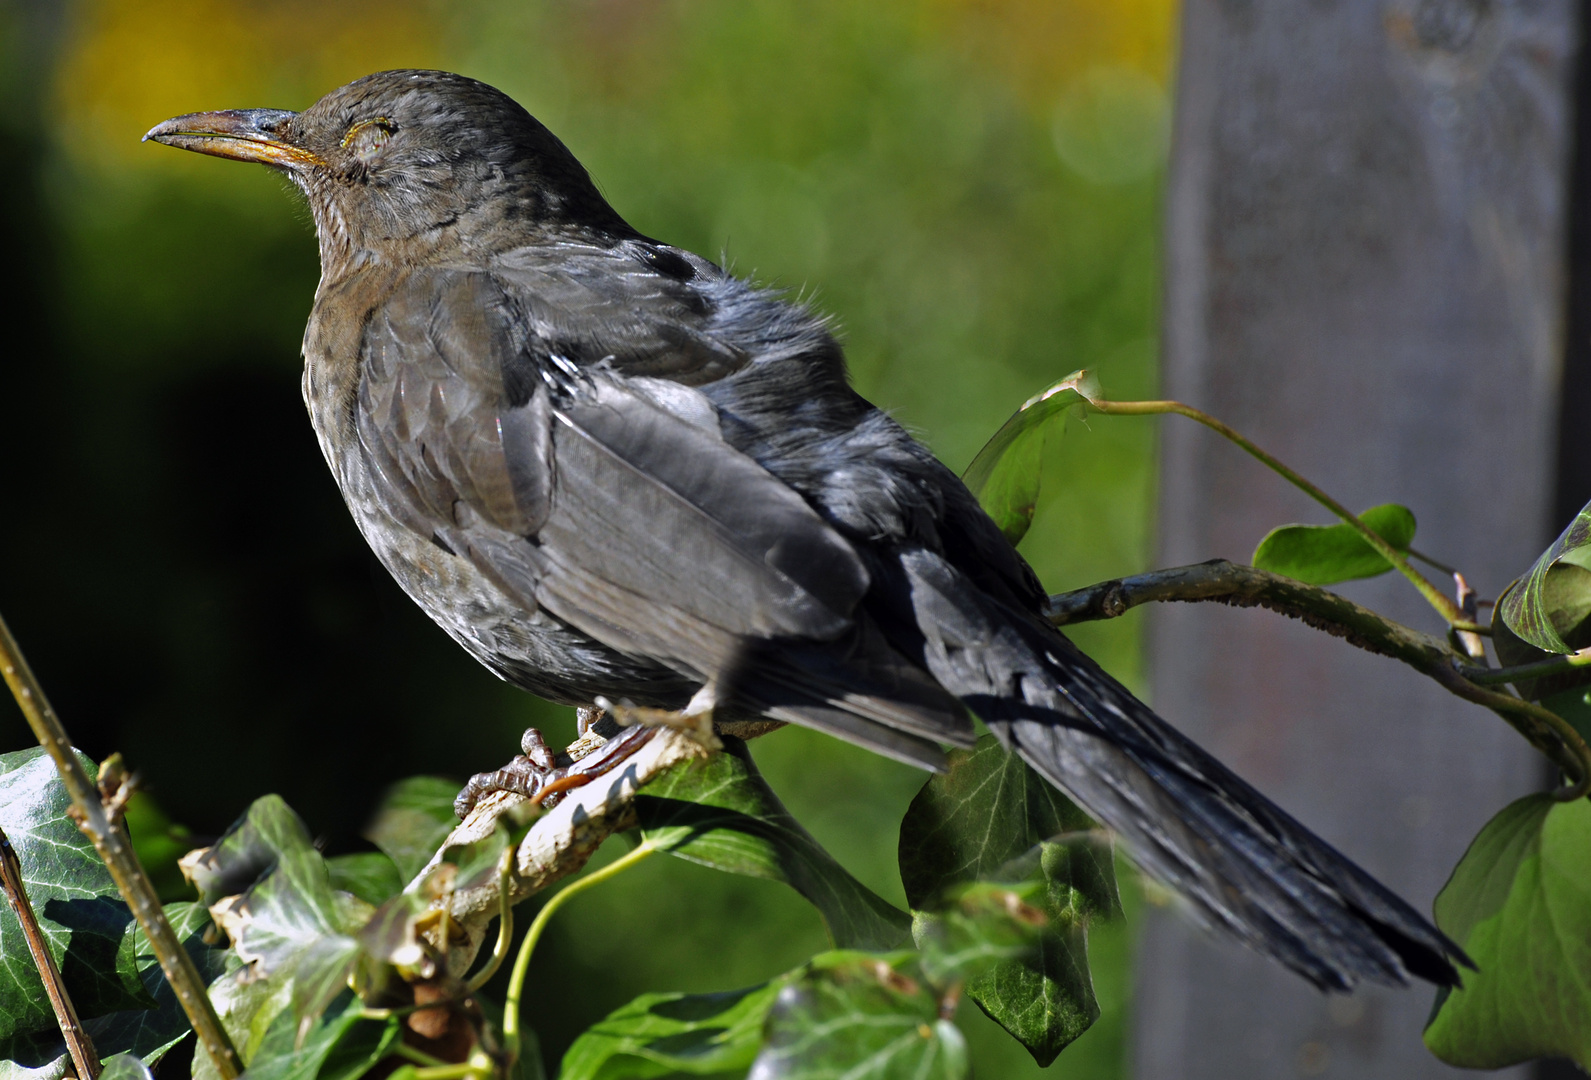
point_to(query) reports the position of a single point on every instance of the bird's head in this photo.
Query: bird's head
(406, 166)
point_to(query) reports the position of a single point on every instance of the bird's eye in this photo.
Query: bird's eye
(366, 138)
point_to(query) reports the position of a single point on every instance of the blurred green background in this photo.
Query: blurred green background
(970, 187)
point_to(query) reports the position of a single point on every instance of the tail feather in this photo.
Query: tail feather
(1241, 862)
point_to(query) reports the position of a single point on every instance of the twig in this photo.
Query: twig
(114, 847)
(1557, 665)
(516, 981)
(1244, 586)
(1432, 594)
(78, 1044)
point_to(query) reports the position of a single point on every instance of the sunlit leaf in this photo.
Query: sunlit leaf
(860, 1017)
(81, 914)
(286, 922)
(719, 812)
(1519, 903)
(991, 818)
(1005, 474)
(124, 1067)
(666, 1034)
(1550, 607)
(413, 819)
(1327, 554)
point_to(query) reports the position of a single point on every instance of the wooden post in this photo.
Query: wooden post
(1366, 236)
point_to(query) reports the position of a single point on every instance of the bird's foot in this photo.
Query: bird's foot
(543, 777)
(525, 775)
(695, 719)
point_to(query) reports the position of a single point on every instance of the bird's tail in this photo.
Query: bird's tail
(1242, 863)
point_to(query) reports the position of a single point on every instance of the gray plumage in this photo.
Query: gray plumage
(608, 468)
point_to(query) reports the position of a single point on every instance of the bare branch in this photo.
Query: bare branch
(1244, 586)
(78, 1043)
(115, 848)
(558, 843)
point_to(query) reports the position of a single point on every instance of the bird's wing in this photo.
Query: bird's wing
(607, 501)
(630, 304)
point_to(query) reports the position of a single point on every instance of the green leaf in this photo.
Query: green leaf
(1574, 706)
(357, 1050)
(1519, 902)
(81, 914)
(719, 812)
(991, 818)
(1327, 554)
(413, 819)
(1004, 477)
(124, 1067)
(370, 875)
(287, 1053)
(146, 1033)
(288, 926)
(665, 1034)
(981, 927)
(1550, 607)
(859, 1017)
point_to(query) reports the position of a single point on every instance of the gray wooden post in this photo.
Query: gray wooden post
(1364, 272)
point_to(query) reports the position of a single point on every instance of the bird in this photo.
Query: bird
(613, 471)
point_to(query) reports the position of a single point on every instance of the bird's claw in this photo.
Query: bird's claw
(536, 775)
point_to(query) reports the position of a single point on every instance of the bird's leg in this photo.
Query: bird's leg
(695, 719)
(525, 775)
(542, 776)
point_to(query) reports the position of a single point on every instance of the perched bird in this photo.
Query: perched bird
(611, 470)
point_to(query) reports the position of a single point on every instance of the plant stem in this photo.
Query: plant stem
(111, 841)
(516, 981)
(416, 1055)
(1433, 596)
(1245, 586)
(505, 920)
(78, 1044)
(1556, 665)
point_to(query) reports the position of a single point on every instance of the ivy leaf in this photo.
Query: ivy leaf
(289, 928)
(665, 1034)
(1519, 902)
(1327, 554)
(991, 818)
(1563, 693)
(81, 914)
(720, 812)
(147, 1034)
(370, 875)
(291, 1052)
(983, 925)
(1550, 607)
(1004, 477)
(860, 1017)
(124, 1067)
(413, 819)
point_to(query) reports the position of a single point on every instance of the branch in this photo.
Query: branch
(558, 843)
(1244, 586)
(78, 1043)
(1434, 596)
(111, 841)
